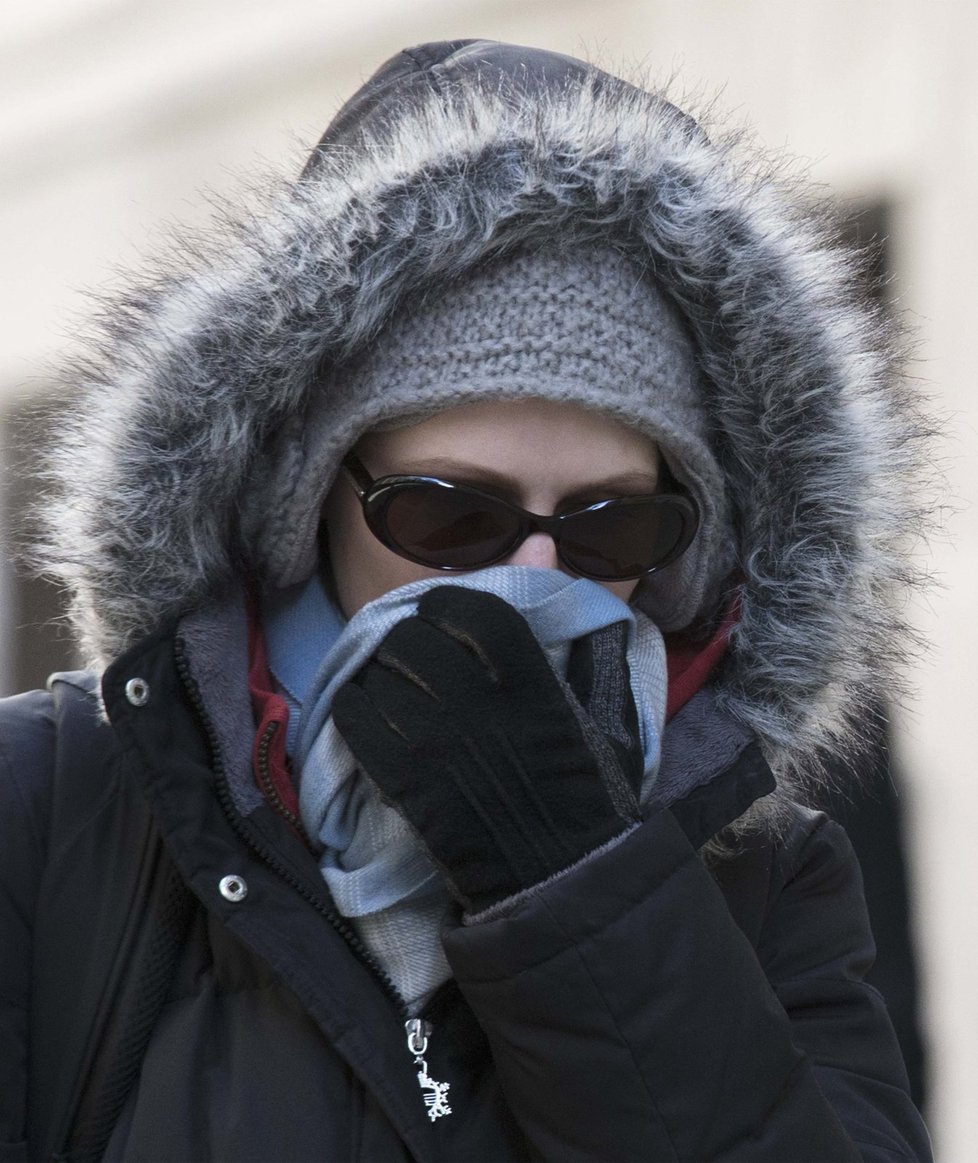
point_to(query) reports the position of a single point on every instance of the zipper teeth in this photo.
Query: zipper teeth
(268, 784)
(339, 923)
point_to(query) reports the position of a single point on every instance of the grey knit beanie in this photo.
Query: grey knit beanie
(581, 325)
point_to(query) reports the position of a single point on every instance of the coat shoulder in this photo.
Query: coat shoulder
(38, 729)
(27, 753)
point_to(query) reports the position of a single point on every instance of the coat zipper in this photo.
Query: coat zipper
(435, 1093)
(268, 784)
(418, 1030)
(258, 846)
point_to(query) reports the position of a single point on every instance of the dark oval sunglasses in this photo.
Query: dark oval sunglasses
(456, 527)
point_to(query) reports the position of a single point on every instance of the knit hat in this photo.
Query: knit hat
(581, 325)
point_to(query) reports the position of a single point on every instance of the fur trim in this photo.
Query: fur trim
(199, 367)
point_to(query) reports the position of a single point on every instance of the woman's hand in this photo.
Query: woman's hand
(508, 774)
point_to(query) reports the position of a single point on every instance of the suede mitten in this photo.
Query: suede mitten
(507, 773)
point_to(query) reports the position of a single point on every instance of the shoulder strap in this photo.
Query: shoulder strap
(112, 915)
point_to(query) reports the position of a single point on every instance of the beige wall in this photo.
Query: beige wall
(114, 115)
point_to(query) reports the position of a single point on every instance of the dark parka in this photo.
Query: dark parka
(643, 1007)
(657, 1002)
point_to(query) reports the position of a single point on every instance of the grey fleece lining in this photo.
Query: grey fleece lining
(216, 640)
(699, 742)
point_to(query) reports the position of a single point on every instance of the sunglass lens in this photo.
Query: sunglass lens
(449, 527)
(623, 539)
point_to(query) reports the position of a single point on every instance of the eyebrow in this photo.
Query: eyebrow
(466, 473)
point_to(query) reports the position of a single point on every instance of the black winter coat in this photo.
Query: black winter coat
(642, 1007)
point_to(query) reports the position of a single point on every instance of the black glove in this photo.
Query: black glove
(508, 774)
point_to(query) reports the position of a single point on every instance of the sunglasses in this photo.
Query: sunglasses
(456, 527)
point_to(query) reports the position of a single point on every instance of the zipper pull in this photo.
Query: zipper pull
(435, 1093)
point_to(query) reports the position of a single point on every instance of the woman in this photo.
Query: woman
(476, 552)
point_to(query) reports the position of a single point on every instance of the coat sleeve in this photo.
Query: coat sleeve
(26, 761)
(631, 1018)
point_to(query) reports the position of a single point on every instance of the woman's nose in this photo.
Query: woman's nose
(538, 550)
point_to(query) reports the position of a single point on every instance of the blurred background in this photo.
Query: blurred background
(116, 117)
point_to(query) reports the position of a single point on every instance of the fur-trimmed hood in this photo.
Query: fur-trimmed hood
(450, 155)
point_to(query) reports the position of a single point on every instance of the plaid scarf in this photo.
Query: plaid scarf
(376, 868)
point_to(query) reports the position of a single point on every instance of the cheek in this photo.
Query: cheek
(361, 567)
(622, 589)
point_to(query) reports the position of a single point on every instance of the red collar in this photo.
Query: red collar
(270, 762)
(689, 664)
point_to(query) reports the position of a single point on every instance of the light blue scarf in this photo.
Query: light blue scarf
(376, 868)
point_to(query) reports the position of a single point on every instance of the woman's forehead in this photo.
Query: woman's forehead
(509, 435)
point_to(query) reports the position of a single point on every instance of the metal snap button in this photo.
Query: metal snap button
(137, 692)
(233, 888)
